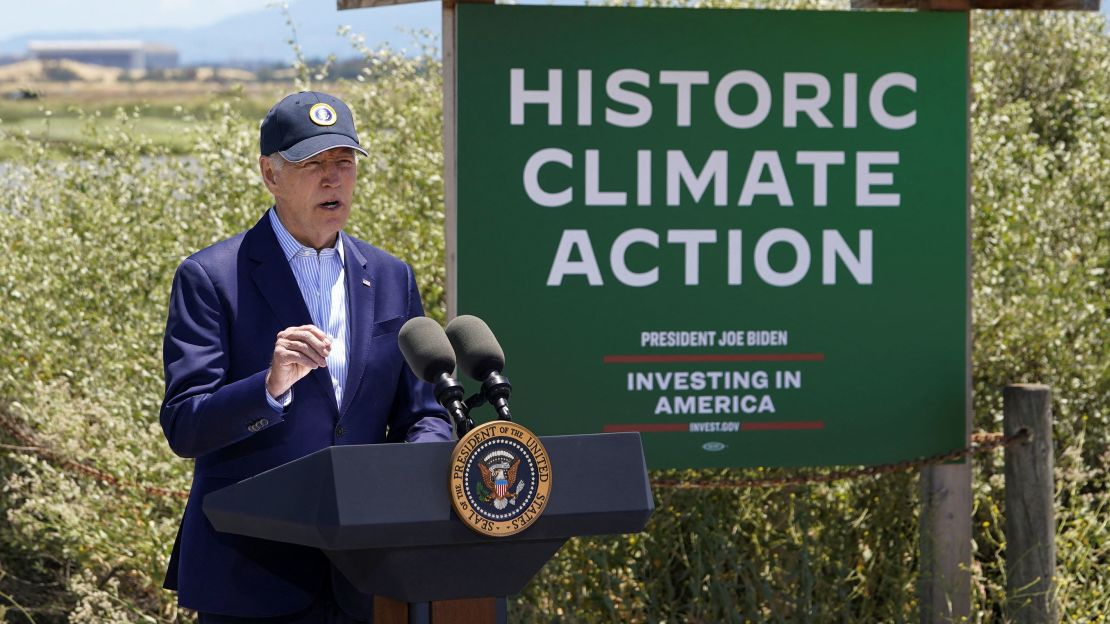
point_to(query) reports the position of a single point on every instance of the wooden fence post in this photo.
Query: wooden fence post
(945, 533)
(1030, 521)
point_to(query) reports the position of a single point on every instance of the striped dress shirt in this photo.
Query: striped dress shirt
(321, 279)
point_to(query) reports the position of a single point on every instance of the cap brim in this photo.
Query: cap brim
(320, 143)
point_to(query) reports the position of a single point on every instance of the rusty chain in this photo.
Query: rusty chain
(982, 442)
(32, 445)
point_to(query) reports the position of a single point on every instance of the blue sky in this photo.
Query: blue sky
(71, 15)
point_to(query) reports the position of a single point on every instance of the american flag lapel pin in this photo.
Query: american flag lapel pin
(366, 282)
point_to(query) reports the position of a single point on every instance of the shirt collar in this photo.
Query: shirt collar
(291, 247)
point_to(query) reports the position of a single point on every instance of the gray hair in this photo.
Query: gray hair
(277, 161)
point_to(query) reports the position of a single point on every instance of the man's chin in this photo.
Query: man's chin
(337, 220)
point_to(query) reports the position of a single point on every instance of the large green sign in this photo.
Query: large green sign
(742, 233)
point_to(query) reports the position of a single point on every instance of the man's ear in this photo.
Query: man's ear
(267, 171)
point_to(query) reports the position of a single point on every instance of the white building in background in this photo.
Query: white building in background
(122, 53)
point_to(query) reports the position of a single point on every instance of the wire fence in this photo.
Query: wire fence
(981, 442)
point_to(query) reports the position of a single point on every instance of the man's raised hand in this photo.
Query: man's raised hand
(297, 351)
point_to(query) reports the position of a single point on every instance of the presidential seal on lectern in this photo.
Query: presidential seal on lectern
(500, 478)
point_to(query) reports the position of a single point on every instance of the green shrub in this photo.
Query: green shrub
(92, 242)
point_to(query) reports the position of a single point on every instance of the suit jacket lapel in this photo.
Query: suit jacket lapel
(274, 278)
(361, 290)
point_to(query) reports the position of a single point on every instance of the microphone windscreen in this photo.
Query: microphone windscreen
(477, 349)
(426, 348)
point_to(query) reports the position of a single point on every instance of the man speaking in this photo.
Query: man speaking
(280, 341)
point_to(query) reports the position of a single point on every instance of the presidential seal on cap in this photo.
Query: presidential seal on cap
(305, 124)
(322, 114)
(500, 478)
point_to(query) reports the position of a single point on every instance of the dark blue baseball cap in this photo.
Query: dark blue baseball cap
(307, 123)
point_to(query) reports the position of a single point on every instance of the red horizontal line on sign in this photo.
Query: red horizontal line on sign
(653, 427)
(773, 426)
(713, 357)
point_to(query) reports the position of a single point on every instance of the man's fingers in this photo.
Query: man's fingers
(306, 346)
(323, 347)
(290, 358)
(307, 351)
(310, 338)
(317, 332)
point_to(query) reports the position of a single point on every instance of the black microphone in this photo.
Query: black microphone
(481, 358)
(430, 356)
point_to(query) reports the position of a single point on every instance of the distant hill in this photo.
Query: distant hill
(261, 37)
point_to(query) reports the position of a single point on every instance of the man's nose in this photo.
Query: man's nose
(330, 176)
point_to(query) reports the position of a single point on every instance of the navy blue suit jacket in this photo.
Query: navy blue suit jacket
(228, 303)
